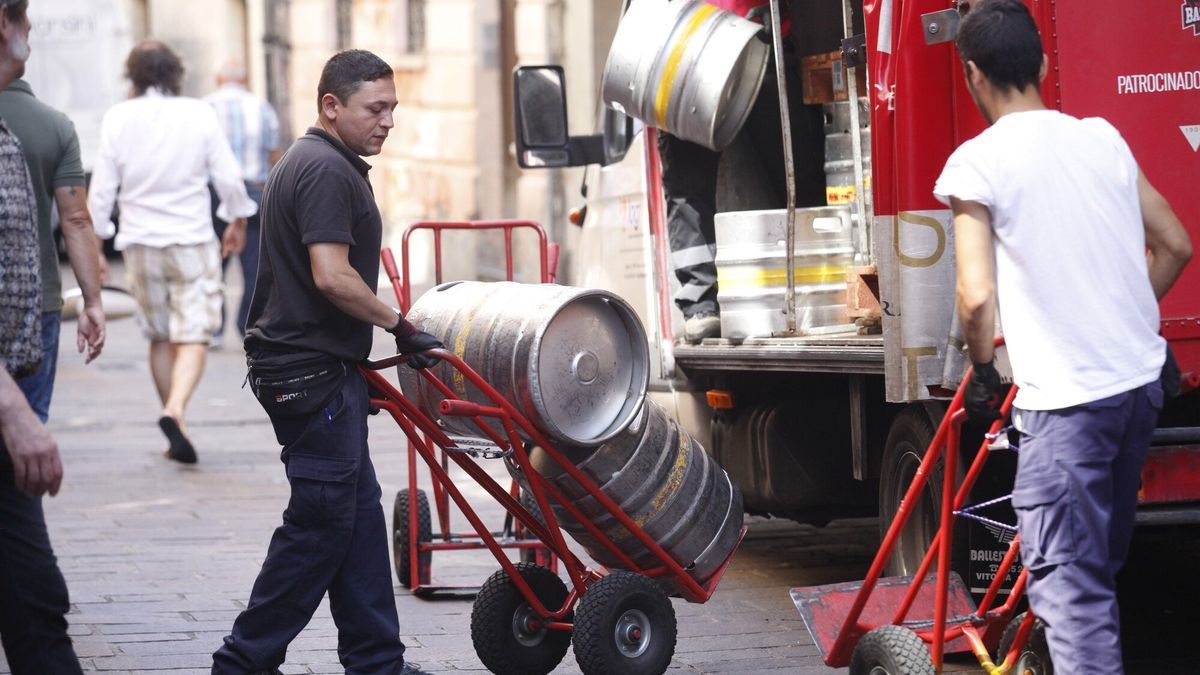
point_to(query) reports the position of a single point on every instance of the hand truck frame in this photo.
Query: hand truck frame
(414, 541)
(839, 616)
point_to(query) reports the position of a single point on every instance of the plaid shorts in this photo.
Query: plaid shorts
(178, 290)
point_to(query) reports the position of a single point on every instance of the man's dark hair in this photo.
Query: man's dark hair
(154, 64)
(1002, 39)
(346, 71)
(15, 9)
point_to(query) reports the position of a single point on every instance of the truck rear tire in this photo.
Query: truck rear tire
(907, 440)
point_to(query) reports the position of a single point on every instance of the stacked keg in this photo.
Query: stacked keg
(575, 362)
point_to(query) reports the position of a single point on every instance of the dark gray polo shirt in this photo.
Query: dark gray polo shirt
(318, 192)
(52, 152)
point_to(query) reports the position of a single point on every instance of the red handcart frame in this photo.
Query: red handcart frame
(835, 613)
(508, 537)
(424, 435)
(535, 617)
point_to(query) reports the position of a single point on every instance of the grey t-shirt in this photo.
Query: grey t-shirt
(51, 150)
(318, 193)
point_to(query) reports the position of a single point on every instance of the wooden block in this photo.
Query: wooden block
(862, 292)
(824, 79)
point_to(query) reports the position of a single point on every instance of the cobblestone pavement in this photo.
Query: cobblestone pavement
(160, 558)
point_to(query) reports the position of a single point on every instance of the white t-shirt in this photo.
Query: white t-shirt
(1080, 317)
(157, 155)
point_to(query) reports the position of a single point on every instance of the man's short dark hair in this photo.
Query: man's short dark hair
(15, 9)
(346, 71)
(154, 64)
(1001, 37)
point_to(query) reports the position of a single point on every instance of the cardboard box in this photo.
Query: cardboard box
(824, 79)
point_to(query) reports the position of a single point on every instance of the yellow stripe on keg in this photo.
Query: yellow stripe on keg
(663, 97)
(759, 278)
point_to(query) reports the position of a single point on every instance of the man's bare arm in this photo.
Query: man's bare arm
(37, 468)
(1168, 244)
(976, 278)
(83, 248)
(334, 277)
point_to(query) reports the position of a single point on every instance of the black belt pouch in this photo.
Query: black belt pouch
(293, 384)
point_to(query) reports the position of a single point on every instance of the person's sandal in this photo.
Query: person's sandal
(181, 449)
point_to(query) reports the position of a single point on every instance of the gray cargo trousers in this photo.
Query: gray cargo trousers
(1078, 473)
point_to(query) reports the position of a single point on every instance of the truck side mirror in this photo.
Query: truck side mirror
(542, 140)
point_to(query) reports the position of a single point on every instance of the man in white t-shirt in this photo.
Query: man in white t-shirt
(1057, 228)
(158, 151)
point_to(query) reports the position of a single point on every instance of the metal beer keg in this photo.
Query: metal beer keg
(752, 269)
(667, 484)
(840, 187)
(573, 360)
(686, 67)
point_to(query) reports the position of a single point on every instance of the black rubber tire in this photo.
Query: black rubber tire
(1034, 659)
(908, 438)
(494, 618)
(400, 538)
(891, 650)
(622, 602)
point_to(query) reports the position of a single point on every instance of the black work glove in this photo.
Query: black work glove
(761, 15)
(1171, 378)
(410, 340)
(982, 397)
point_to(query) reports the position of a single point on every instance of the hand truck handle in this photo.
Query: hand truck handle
(461, 408)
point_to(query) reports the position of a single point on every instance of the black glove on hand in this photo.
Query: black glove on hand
(1171, 378)
(982, 397)
(410, 340)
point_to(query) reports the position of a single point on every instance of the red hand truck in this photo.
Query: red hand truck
(413, 540)
(899, 625)
(525, 617)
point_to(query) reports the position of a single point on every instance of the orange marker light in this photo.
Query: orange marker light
(719, 399)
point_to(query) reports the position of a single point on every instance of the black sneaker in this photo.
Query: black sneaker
(411, 668)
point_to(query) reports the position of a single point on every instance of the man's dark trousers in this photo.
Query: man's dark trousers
(334, 538)
(248, 258)
(33, 594)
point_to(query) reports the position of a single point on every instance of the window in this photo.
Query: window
(415, 26)
(344, 19)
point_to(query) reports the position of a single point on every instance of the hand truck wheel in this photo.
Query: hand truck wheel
(400, 550)
(504, 627)
(1034, 658)
(624, 624)
(891, 650)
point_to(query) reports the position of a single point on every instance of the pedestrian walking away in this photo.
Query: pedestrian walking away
(310, 322)
(252, 129)
(51, 150)
(33, 593)
(157, 153)
(1057, 230)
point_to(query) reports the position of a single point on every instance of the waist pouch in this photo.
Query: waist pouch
(291, 384)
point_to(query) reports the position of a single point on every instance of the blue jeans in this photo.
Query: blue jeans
(333, 538)
(248, 257)
(1078, 473)
(33, 595)
(39, 387)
